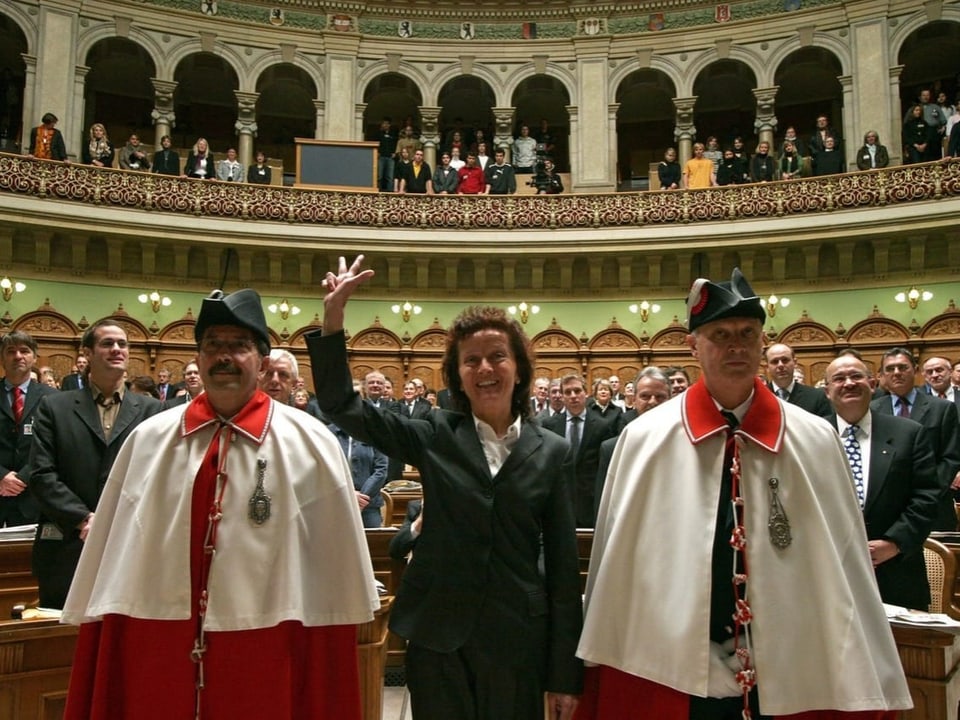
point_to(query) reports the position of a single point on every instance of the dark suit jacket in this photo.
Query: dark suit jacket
(596, 428)
(903, 497)
(70, 382)
(403, 542)
(190, 167)
(421, 409)
(811, 399)
(15, 451)
(166, 163)
(940, 419)
(69, 464)
(475, 576)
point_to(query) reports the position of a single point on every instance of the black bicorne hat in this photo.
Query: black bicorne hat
(709, 301)
(241, 308)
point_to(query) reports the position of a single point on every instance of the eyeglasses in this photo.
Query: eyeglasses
(897, 367)
(233, 347)
(842, 378)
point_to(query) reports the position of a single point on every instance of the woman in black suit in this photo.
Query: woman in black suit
(200, 162)
(98, 151)
(259, 174)
(490, 603)
(917, 135)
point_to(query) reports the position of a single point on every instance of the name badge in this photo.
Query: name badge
(49, 531)
(28, 428)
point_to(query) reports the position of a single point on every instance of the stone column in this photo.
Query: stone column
(164, 119)
(871, 61)
(246, 125)
(75, 119)
(28, 120)
(341, 83)
(850, 140)
(321, 107)
(56, 91)
(684, 132)
(503, 129)
(591, 170)
(895, 125)
(573, 112)
(612, 110)
(766, 122)
(430, 134)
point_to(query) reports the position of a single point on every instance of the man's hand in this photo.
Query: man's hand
(86, 526)
(11, 485)
(362, 500)
(882, 550)
(561, 706)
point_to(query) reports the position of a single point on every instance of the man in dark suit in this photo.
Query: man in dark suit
(585, 431)
(165, 389)
(936, 371)
(898, 370)
(781, 364)
(192, 386)
(76, 380)
(652, 389)
(77, 436)
(896, 482)
(411, 406)
(21, 396)
(541, 392)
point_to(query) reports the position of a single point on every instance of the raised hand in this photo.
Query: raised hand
(340, 287)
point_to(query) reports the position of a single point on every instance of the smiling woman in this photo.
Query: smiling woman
(489, 628)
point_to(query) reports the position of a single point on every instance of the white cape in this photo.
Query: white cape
(820, 637)
(308, 562)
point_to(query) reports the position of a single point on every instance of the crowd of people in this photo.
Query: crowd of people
(931, 131)
(219, 520)
(466, 167)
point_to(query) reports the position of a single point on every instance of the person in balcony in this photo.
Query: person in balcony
(872, 154)
(98, 151)
(46, 142)
(200, 162)
(698, 172)
(763, 168)
(668, 171)
(259, 172)
(917, 135)
(231, 169)
(134, 155)
(791, 164)
(829, 161)
(166, 161)
(729, 172)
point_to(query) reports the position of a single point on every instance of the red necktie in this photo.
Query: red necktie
(17, 404)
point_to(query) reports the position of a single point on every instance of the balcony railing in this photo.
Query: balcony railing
(158, 193)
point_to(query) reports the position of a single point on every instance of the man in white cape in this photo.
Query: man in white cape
(729, 576)
(226, 571)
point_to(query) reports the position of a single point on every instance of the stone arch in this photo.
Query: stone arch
(739, 54)
(646, 119)
(412, 72)
(24, 23)
(285, 110)
(480, 71)
(726, 106)
(543, 97)
(204, 101)
(554, 70)
(930, 56)
(808, 83)
(390, 94)
(299, 60)
(117, 89)
(15, 41)
(479, 97)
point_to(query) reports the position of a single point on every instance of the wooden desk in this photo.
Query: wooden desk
(372, 654)
(17, 584)
(930, 661)
(35, 660)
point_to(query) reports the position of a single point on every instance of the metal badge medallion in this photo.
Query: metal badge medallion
(778, 524)
(259, 502)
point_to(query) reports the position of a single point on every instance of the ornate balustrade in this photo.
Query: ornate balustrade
(124, 189)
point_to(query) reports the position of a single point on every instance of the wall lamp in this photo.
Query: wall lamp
(524, 311)
(912, 297)
(8, 287)
(644, 309)
(284, 309)
(155, 300)
(407, 310)
(773, 302)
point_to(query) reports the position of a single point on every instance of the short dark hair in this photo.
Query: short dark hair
(89, 335)
(49, 118)
(471, 321)
(897, 351)
(145, 384)
(18, 337)
(674, 369)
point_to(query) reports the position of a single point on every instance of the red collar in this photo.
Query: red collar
(253, 420)
(764, 422)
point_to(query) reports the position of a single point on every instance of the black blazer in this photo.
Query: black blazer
(71, 382)
(421, 409)
(166, 162)
(69, 464)
(15, 443)
(189, 169)
(403, 542)
(58, 149)
(475, 575)
(596, 429)
(811, 399)
(940, 419)
(903, 497)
